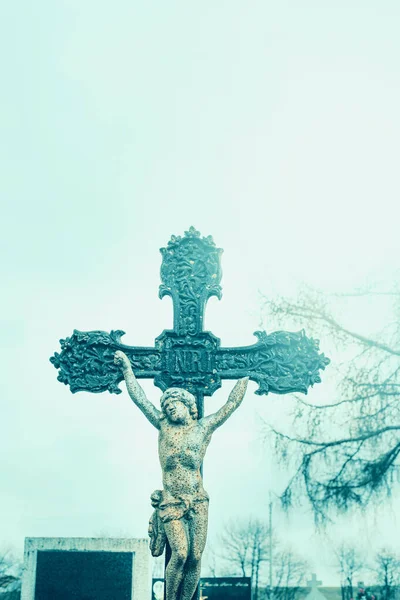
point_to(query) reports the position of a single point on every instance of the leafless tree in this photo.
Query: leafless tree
(387, 568)
(235, 541)
(246, 546)
(359, 461)
(350, 562)
(212, 560)
(289, 573)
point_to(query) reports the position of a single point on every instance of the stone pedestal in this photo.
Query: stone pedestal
(89, 568)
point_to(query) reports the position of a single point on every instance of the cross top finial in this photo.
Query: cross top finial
(314, 583)
(190, 273)
(191, 233)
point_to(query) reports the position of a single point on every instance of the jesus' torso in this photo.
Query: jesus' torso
(181, 450)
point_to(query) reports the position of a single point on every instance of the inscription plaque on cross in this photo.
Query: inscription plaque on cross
(187, 356)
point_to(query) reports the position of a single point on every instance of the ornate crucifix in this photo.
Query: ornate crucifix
(187, 363)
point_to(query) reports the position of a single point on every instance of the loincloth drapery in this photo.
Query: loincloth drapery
(170, 508)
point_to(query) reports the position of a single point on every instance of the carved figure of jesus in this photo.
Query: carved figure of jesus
(181, 508)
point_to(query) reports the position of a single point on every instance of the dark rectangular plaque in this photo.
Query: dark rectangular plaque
(226, 588)
(74, 575)
(214, 588)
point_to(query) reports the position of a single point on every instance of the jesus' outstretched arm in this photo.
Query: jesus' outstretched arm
(234, 401)
(136, 391)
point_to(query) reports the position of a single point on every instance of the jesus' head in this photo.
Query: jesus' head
(178, 405)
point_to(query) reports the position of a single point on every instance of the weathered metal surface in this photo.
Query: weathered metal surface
(187, 356)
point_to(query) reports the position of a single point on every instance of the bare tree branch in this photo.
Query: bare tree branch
(361, 460)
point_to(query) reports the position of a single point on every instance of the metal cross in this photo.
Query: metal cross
(187, 356)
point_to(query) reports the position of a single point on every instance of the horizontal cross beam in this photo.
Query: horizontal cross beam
(281, 362)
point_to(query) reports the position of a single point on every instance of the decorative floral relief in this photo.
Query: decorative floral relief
(280, 362)
(191, 273)
(86, 361)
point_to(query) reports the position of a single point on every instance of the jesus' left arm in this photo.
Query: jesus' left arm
(235, 399)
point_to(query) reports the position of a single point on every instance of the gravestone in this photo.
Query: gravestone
(86, 569)
(314, 593)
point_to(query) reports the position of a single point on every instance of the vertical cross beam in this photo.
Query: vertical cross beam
(190, 274)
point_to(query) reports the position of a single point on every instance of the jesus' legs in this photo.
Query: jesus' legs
(177, 538)
(197, 540)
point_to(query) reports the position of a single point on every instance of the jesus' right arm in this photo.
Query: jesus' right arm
(136, 391)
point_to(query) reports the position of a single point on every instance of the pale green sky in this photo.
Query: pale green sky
(273, 126)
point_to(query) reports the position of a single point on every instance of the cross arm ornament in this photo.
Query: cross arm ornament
(86, 361)
(281, 362)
